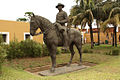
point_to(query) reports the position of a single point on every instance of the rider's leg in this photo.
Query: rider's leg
(60, 28)
(63, 30)
(65, 38)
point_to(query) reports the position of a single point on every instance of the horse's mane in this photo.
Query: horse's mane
(44, 21)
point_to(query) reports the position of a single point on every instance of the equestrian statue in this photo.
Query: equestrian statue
(57, 34)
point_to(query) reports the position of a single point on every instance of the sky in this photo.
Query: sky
(13, 9)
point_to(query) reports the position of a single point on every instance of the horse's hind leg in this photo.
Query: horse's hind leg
(72, 54)
(79, 47)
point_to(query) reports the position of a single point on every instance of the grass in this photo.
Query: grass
(107, 68)
(106, 71)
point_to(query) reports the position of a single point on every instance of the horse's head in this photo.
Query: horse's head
(33, 25)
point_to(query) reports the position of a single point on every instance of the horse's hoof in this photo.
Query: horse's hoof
(52, 70)
(80, 64)
(68, 65)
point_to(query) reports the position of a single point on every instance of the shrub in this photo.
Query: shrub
(45, 51)
(30, 48)
(113, 52)
(65, 51)
(1, 39)
(90, 51)
(58, 51)
(13, 50)
(85, 50)
(27, 48)
(2, 57)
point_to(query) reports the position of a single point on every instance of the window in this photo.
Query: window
(27, 36)
(5, 36)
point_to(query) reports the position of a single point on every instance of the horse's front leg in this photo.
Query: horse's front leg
(52, 51)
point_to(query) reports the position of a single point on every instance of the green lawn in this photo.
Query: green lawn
(107, 68)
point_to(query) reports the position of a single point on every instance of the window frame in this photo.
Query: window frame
(31, 37)
(7, 37)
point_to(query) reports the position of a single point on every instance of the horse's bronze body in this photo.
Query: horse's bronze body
(53, 40)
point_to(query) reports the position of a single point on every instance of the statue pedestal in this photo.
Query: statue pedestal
(62, 70)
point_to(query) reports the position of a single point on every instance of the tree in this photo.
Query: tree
(114, 19)
(22, 19)
(100, 11)
(28, 14)
(83, 19)
(84, 15)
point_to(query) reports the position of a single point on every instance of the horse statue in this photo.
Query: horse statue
(53, 39)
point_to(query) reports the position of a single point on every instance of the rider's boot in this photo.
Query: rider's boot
(65, 47)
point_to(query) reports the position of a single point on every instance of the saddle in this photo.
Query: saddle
(60, 29)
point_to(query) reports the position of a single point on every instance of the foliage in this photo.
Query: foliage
(114, 18)
(65, 51)
(86, 50)
(13, 50)
(27, 48)
(28, 14)
(22, 19)
(45, 51)
(1, 39)
(113, 52)
(2, 57)
(30, 48)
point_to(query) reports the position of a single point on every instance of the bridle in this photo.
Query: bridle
(45, 30)
(35, 28)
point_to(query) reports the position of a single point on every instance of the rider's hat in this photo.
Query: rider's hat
(59, 4)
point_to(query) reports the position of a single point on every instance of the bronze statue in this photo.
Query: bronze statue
(53, 37)
(61, 19)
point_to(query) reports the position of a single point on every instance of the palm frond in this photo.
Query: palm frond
(82, 17)
(104, 25)
(84, 22)
(114, 11)
(89, 15)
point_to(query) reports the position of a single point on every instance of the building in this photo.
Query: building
(103, 36)
(11, 30)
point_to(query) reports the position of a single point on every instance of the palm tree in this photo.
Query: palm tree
(83, 19)
(84, 15)
(76, 9)
(101, 11)
(114, 19)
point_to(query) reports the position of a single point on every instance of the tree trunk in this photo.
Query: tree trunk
(98, 33)
(91, 36)
(115, 33)
(113, 39)
(98, 37)
(75, 26)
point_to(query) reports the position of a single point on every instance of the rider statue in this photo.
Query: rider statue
(61, 19)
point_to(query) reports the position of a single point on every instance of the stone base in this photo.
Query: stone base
(62, 70)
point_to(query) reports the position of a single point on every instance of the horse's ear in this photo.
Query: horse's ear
(33, 14)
